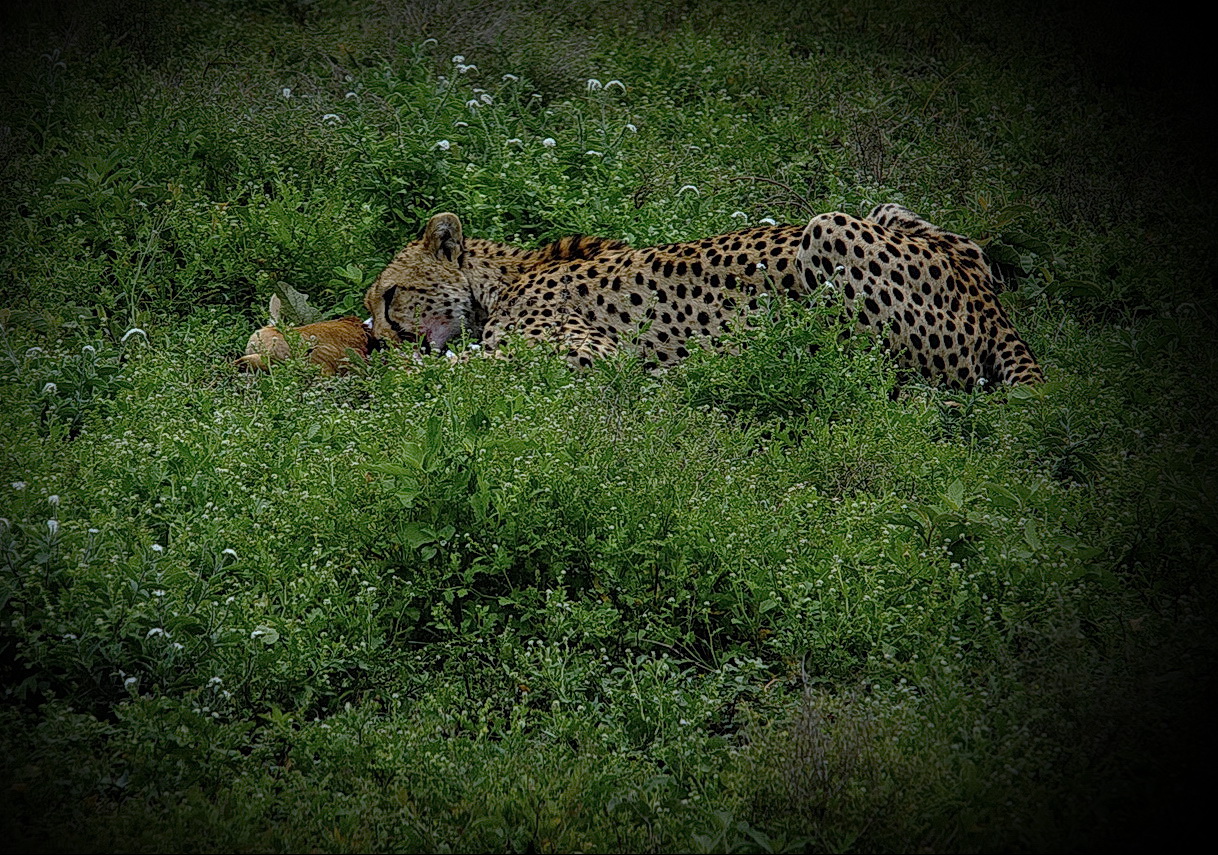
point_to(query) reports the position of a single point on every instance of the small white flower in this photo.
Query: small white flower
(286, 92)
(232, 553)
(460, 124)
(88, 348)
(473, 103)
(630, 127)
(511, 77)
(214, 681)
(156, 547)
(331, 118)
(69, 636)
(93, 531)
(594, 84)
(458, 59)
(155, 631)
(258, 633)
(761, 265)
(53, 500)
(770, 221)
(548, 142)
(429, 43)
(513, 141)
(444, 145)
(18, 485)
(689, 187)
(158, 593)
(739, 215)
(350, 95)
(129, 682)
(619, 84)
(33, 351)
(177, 645)
(131, 332)
(486, 98)
(594, 153)
(50, 389)
(53, 525)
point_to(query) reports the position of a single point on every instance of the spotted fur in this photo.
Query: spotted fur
(593, 296)
(929, 293)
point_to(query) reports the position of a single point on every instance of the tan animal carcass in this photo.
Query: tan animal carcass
(328, 343)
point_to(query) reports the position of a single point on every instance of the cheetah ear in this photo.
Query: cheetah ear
(443, 238)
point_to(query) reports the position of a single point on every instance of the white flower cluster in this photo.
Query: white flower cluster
(595, 85)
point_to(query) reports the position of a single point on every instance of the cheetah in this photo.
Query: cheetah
(594, 296)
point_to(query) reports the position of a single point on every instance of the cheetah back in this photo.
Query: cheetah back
(662, 300)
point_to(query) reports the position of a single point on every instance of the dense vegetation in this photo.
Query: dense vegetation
(766, 601)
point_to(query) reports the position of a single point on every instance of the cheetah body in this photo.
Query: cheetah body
(592, 296)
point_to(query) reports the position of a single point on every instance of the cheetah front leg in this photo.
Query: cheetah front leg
(582, 344)
(577, 341)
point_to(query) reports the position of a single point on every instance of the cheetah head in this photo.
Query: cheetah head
(424, 295)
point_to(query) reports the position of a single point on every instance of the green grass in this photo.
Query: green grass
(767, 601)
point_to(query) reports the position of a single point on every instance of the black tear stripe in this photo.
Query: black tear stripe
(387, 299)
